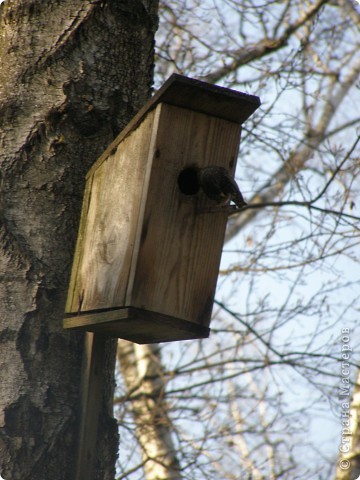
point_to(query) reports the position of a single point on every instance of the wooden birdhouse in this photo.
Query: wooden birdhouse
(149, 244)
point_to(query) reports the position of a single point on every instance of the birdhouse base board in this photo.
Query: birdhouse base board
(136, 325)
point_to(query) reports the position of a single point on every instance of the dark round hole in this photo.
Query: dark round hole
(188, 181)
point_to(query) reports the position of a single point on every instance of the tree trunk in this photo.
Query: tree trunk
(348, 466)
(72, 74)
(143, 376)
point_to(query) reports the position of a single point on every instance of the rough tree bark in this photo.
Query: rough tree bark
(72, 74)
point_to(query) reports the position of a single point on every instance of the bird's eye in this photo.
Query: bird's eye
(188, 181)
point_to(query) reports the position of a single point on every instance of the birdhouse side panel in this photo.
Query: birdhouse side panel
(181, 239)
(111, 214)
(72, 302)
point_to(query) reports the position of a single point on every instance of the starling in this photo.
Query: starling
(219, 185)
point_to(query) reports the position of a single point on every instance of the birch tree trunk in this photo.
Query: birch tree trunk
(348, 466)
(72, 74)
(143, 375)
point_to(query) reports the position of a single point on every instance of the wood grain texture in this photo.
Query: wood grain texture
(178, 260)
(109, 223)
(92, 380)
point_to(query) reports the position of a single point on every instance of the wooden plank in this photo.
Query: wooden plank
(137, 325)
(177, 265)
(206, 98)
(85, 320)
(73, 302)
(91, 390)
(108, 225)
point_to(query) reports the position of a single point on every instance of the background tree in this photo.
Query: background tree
(348, 467)
(255, 399)
(72, 74)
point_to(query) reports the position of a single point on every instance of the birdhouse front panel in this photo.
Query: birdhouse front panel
(181, 237)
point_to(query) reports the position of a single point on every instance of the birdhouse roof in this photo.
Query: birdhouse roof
(206, 98)
(194, 95)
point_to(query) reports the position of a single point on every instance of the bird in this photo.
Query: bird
(218, 185)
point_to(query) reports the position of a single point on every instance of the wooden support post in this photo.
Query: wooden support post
(91, 391)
